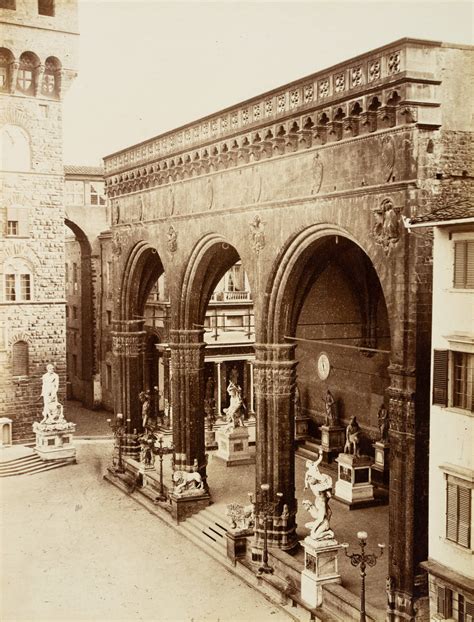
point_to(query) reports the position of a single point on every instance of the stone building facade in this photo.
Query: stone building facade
(306, 186)
(38, 62)
(451, 479)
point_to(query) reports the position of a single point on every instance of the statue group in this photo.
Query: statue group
(320, 485)
(235, 411)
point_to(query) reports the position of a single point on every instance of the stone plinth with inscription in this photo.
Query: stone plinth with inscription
(54, 437)
(354, 481)
(320, 567)
(233, 446)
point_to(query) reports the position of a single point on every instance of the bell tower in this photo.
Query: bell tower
(38, 63)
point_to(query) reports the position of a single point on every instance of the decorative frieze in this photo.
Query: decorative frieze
(128, 345)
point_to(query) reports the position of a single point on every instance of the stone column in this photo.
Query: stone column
(408, 490)
(128, 347)
(274, 376)
(218, 386)
(187, 396)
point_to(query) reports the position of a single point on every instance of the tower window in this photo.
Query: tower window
(12, 227)
(46, 7)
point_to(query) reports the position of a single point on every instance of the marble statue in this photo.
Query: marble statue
(233, 413)
(186, 482)
(383, 422)
(330, 405)
(241, 517)
(52, 409)
(297, 402)
(321, 486)
(353, 434)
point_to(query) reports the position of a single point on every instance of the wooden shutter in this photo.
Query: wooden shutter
(452, 511)
(464, 513)
(464, 264)
(445, 601)
(440, 377)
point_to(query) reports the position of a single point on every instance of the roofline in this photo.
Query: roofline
(437, 223)
(402, 41)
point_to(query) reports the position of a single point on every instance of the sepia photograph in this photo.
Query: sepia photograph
(236, 311)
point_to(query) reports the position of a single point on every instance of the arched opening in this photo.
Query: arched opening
(6, 60)
(15, 150)
(327, 328)
(136, 331)
(80, 327)
(214, 329)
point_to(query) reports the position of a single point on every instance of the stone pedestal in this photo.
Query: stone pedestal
(354, 481)
(332, 441)
(5, 432)
(301, 427)
(184, 506)
(237, 543)
(233, 446)
(210, 438)
(320, 567)
(381, 466)
(54, 441)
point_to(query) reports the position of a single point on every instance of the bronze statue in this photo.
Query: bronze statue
(353, 433)
(383, 421)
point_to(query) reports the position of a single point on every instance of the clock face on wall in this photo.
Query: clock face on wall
(324, 367)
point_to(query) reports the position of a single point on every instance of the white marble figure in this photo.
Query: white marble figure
(321, 486)
(234, 412)
(186, 482)
(241, 517)
(52, 409)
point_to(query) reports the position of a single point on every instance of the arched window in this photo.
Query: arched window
(6, 59)
(20, 359)
(14, 149)
(51, 77)
(18, 281)
(27, 73)
(46, 7)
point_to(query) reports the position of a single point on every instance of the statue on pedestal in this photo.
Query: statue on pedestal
(353, 434)
(383, 422)
(332, 418)
(234, 414)
(149, 418)
(321, 486)
(52, 409)
(147, 442)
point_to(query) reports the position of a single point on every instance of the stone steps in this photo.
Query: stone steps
(346, 606)
(29, 465)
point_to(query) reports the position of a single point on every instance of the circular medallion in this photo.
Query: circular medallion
(324, 366)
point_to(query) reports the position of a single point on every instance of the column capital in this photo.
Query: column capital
(274, 377)
(128, 344)
(275, 351)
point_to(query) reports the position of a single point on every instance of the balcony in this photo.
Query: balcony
(231, 297)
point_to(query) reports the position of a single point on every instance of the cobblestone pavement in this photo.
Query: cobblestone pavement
(76, 548)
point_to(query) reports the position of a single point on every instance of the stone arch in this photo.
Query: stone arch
(211, 257)
(15, 148)
(284, 278)
(51, 84)
(87, 320)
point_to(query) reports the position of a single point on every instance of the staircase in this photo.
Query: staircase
(29, 465)
(309, 449)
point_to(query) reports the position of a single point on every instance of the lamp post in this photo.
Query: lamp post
(118, 428)
(266, 511)
(161, 451)
(363, 560)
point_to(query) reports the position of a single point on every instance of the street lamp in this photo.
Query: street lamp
(363, 560)
(118, 428)
(266, 511)
(161, 451)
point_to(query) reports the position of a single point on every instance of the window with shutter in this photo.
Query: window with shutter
(458, 512)
(464, 264)
(445, 601)
(20, 358)
(17, 222)
(463, 380)
(440, 377)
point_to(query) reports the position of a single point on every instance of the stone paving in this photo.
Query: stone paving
(76, 548)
